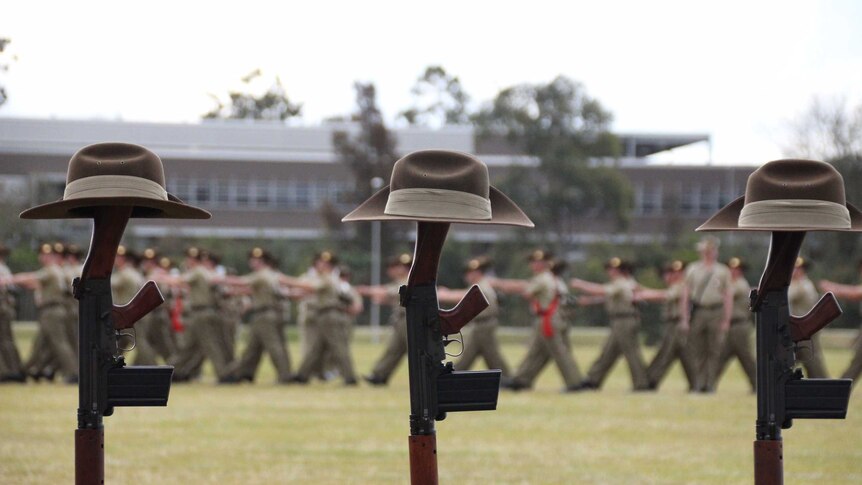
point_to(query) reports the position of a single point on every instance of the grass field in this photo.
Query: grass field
(324, 433)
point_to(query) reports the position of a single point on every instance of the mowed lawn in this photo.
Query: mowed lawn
(325, 433)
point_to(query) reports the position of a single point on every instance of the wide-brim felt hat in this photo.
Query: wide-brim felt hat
(789, 195)
(440, 186)
(115, 174)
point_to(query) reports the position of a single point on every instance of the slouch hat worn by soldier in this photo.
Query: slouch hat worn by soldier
(440, 186)
(789, 195)
(115, 174)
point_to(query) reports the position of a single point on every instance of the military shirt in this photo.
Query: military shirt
(493, 305)
(801, 295)
(264, 287)
(201, 293)
(619, 295)
(707, 285)
(543, 288)
(399, 313)
(325, 292)
(741, 300)
(52, 285)
(125, 283)
(670, 309)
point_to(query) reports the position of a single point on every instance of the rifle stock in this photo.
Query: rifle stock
(824, 312)
(147, 299)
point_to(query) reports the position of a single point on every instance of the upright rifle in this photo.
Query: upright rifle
(782, 392)
(105, 380)
(436, 388)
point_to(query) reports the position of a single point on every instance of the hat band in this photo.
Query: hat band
(424, 202)
(794, 213)
(114, 186)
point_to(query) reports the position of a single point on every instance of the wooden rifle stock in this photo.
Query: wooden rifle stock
(146, 300)
(825, 311)
(473, 303)
(768, 462)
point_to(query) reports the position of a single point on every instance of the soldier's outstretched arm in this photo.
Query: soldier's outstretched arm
(511, 286)
(594, 289)
(650, 295)
(850, 292)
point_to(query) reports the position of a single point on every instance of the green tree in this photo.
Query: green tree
(566, 130)
(438, 100)
(368, 151)
(272, 105)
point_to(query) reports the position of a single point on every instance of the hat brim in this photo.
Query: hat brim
(82, 208)
(727, 219)
(503, 212)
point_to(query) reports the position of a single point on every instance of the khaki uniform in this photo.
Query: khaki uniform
(707, 287)
(545, 292)
(326, 310)
(674, 343)
(802, 296)
(623, 341)
(737, 343)
(396, 347)
(55, 343)
(204, 333)
(265, 329)
(481, 337)
(160, 335)
(10, 360)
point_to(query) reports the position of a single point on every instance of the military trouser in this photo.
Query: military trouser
(704, 340)
(204, 336)
(396, 348)
(673, 346)
(160, 334)
(54, 331)
(329, 337)
(737, 343)
(810, 355)
(10, 359)
(145, 353)
(542, 350)
(265, 334)
(855, 368)
(623, 341)
(481, 341)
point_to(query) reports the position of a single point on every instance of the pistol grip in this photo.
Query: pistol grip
(825, 311)
(146, 300)
(473, 303)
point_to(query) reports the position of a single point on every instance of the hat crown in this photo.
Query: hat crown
(795, 179)
(441, 169)
(116, 159)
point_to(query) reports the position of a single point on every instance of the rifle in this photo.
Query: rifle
(436, 388)
(782, 392)
(105, 381)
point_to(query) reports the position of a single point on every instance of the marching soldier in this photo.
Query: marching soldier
(50, 285)
(398, 269)
(266, 332)
(351, 306)
(854, 293)
(204, 333)
(72, 266)
(325, 309)
(706, 305)
(11, 369)
(802, 296)
(547, 343)
(481, 339)
(618, 298)
(737, 342)
(673, 345)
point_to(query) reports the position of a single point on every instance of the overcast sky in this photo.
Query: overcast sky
(739, 71)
